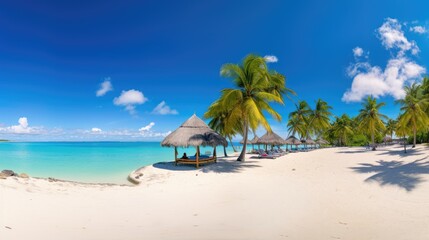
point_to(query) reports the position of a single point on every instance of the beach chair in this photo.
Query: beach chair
(263, 154)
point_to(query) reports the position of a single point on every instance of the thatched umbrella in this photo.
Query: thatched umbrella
(321, 141)
(254, 141)
(193, 132)
(270, 138)
(309, 141)
(387, 139)
(292, 140)
(242, 141)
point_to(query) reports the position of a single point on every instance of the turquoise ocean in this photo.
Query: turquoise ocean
(94, 162)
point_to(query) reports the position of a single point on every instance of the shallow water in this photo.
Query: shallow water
(98, 162)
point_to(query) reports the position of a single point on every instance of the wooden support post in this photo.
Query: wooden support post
(175, 155)
(198, 156)
(214, 154)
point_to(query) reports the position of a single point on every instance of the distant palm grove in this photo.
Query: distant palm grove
(243, 108)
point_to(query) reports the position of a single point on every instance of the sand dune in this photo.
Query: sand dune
(336, 193)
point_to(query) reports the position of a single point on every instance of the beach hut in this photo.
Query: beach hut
(292, 140)
(194, 132)
(270, 138)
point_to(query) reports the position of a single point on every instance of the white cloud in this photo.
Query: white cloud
(390, 81)
(271, 58)
(130, 99)
(372, 80)
(96, 130)
(147, 128)
(105, 87)
(163, 109)
(418, 29)
(21, 128)
(149, 134)
(357, 51)
(392, 37)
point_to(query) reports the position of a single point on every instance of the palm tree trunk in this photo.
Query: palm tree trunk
(242, 156)
(415, 133)
(373, 141)
(224, 151)
(232, 145)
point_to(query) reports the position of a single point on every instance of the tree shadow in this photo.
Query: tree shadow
(400, 152)
(171, 166)
(396, 173)
(222, 166)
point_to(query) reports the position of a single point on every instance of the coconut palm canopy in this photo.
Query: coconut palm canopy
(292, 140)
(254, 140)
(271, 138)
(194, 132)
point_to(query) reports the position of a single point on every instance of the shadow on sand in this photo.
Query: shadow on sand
(390, 150)
(397, 173)
(399, 151)
(221, 166)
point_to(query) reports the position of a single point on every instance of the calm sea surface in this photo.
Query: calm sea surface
(101, 162)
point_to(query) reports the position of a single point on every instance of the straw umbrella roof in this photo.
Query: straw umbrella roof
(321, 141)
(254, 140)
(242, 141)
(271, 138)
(309, 141)
(387, 138)
(193, 132)
(293, 140)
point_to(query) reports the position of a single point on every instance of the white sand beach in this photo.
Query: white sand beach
(334, 193)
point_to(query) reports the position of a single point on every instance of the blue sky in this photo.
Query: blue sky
(162, 59)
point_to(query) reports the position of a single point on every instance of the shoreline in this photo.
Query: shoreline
(130, 183)
(189, 168)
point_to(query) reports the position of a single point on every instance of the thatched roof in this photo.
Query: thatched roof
(242, 141)
(322, 141)
(254, 140)
(271, 138)
(194, 132)
(293, 140)
(309, 141)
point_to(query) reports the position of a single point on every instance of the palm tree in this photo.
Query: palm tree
(370, 118)
(296, 126)
(320, 117)
(300, 118)
(425, 94)
(256, 88)
(342, 129)
(217, 123)
(413, 108)
(425, 86)
(403, 130)
(390, 127)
